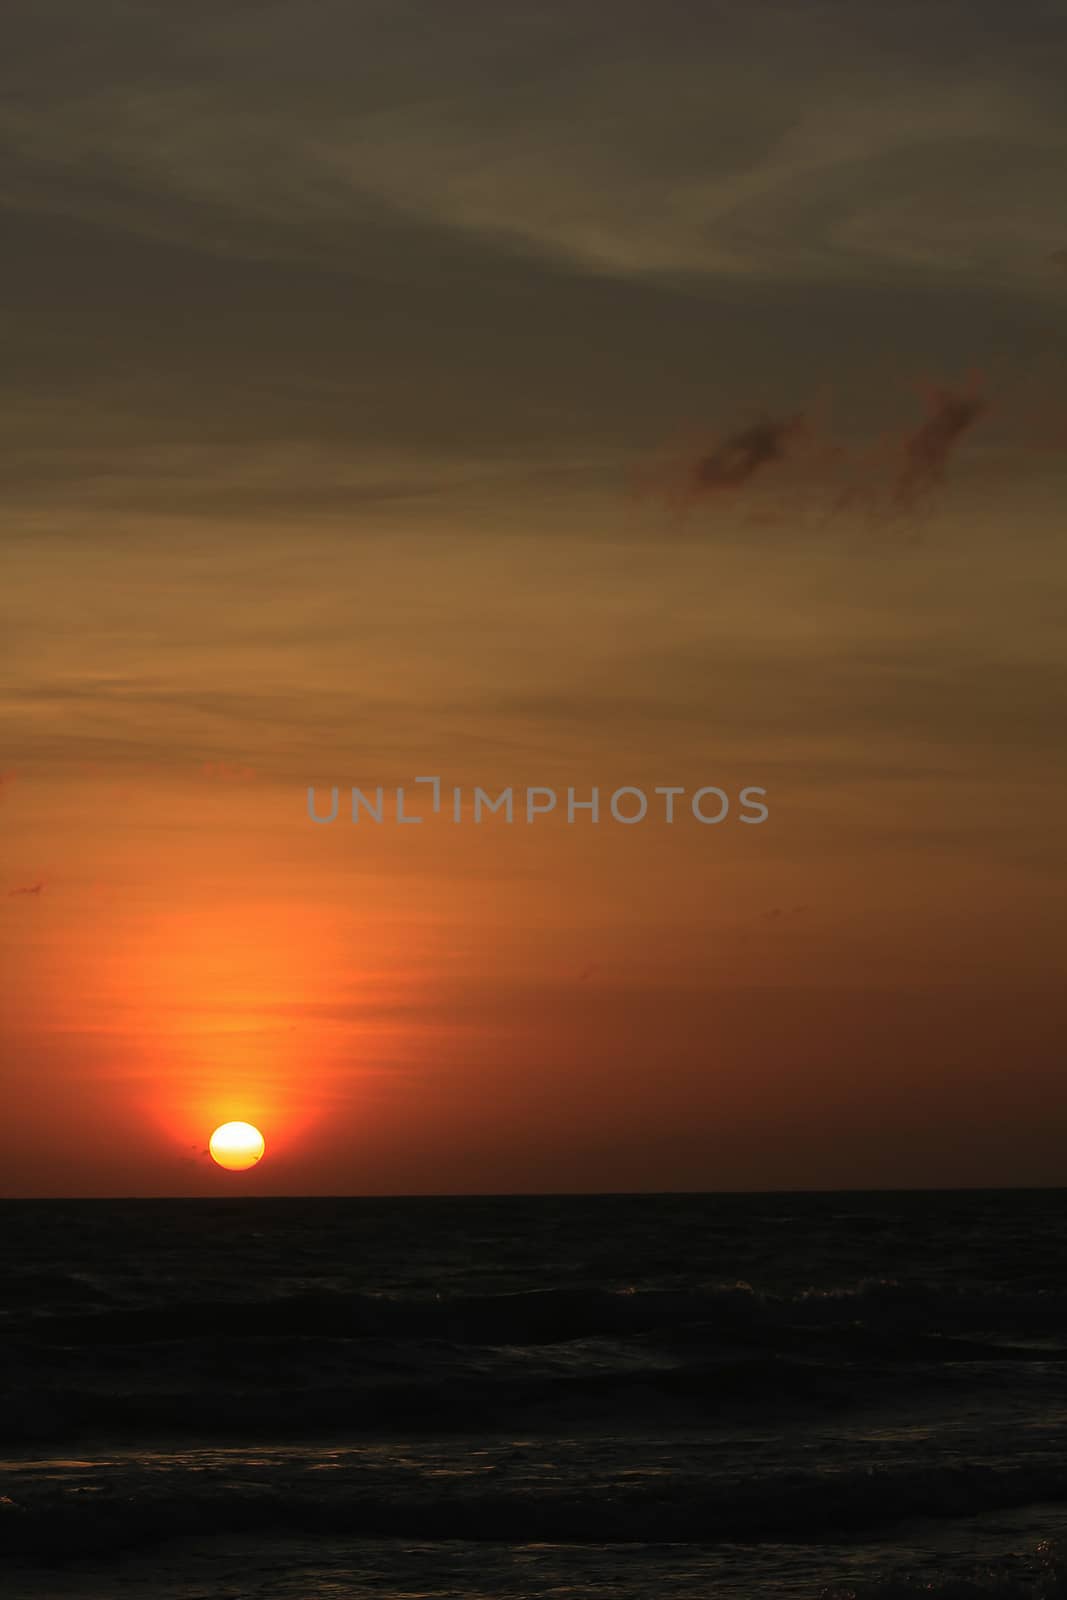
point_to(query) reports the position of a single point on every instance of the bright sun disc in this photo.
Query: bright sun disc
(236, 1145)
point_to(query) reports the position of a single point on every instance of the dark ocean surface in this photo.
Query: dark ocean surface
(626, 1396)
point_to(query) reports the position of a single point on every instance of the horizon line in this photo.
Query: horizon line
(554, 1194)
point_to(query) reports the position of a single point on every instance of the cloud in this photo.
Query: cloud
(895, 473)
(744, 453)
(31, 888)
(626, 153)
(928, 448)
(690, 473)
(1058, 258)
(883, 476)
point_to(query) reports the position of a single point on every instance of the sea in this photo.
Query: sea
(641, 1397)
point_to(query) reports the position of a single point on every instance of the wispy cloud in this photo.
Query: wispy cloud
(894, 474)
(730, 464)
(737, 458)
(633, 155)
(928, 447)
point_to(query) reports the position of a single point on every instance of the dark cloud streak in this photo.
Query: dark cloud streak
(744, 453)
(928, 448)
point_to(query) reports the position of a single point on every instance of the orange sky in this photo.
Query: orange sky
(374, 427)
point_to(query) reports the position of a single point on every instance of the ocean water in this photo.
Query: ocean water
(628, 1396)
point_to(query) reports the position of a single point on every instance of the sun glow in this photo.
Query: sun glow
(236, 1146)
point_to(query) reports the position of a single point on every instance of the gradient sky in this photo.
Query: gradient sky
(533, 394)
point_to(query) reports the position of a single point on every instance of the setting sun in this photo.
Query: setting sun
(236, 1145)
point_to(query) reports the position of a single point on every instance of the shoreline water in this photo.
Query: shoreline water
(713, 1393)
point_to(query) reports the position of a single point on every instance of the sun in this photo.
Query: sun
(236, 1145)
